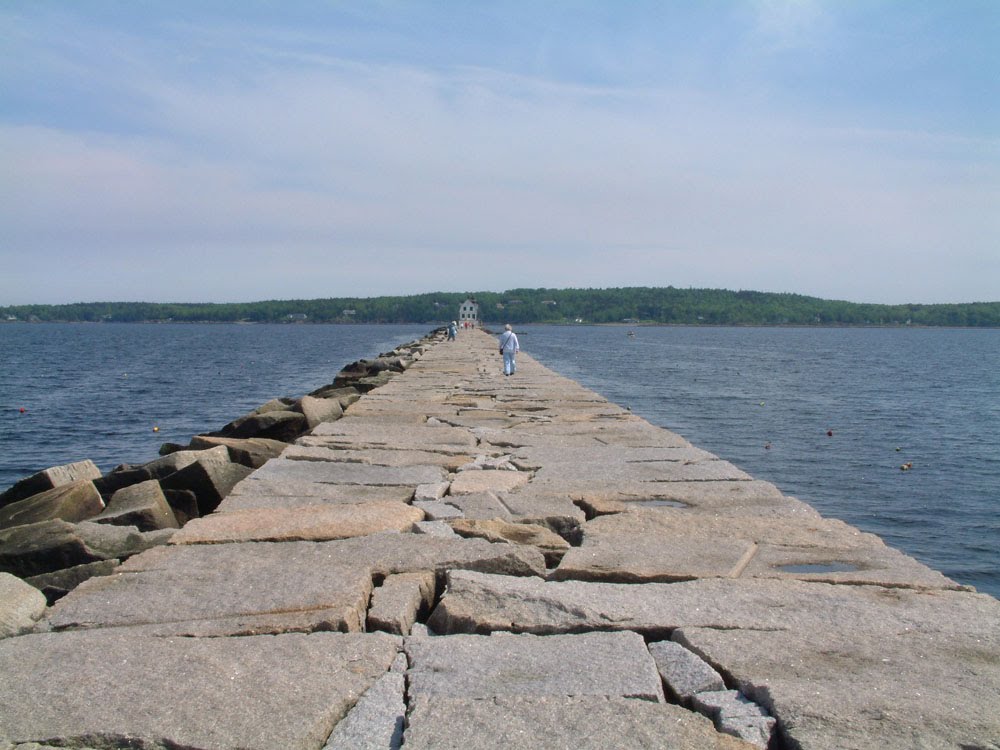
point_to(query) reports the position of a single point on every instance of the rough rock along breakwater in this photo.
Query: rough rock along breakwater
(428, 554)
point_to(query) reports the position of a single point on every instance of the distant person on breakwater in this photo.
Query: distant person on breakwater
(452, 330)
(508, 348)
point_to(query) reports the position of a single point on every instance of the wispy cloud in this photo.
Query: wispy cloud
(249, 164)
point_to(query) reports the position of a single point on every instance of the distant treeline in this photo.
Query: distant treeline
(634, 305)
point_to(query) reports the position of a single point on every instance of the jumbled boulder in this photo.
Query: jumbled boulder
(55, 545)
(346, 395)
(70, 502)
(20, 606)
(317, 410)
(48, 479)
(57, 584)
(142, 505)
(174, 462)
(210, 480)
(184, 504)
(252, 452)
(123, 475)
(283, 425)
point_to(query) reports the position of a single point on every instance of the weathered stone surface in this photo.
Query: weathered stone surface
(318, 410)
(481, 505)
(898, 645)
(591, 459)
(485, 462)
(471, 482)
(57, 584)
(201, 590)
(141, 505)
(683, 671)
(558, 512)
(472, 666)
(312, 448)
(356, 433)
(397, 603)
(47, 479)
(780, 639)
(377, 720)
(297, 585)
(273, 493)
(258, 693)
(736, 715)
(333, 472)
(554, 721)
(252, 452)
(389, 553)
(722, 703)
(436, 510)
(430, 492)
(75, 501)
(630, 431)
(551, 544)
(210, 481)
(728, 498)
(667, 544)
(315, 523)
(54, 545)
(21, 604)
(434, 528)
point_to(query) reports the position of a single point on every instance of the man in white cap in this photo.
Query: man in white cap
(508, 348)
(452, 330)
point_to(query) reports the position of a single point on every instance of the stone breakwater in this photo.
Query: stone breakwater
(449, 558)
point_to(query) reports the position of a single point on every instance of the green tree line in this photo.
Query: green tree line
(634, 305)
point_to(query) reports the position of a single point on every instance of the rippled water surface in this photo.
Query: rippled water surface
(762, 398)
(114, 393)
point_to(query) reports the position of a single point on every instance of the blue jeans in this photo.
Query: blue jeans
(509, 366)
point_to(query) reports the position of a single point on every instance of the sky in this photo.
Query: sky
(212, 151)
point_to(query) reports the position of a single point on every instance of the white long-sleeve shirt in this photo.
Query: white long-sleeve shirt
(508, 342)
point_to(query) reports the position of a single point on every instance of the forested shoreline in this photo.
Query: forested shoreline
(630, 305)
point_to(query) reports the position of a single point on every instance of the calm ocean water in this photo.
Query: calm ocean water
(98, 391)
(928, 397)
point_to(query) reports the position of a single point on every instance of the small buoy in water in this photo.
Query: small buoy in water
(907, 466)
(829, 433)
(898, 449)
(22, 410)
(761, 403)
(155, 428)
(767, 446)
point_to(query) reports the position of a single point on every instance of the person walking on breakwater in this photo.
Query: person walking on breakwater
(452, 330)
(508, 348)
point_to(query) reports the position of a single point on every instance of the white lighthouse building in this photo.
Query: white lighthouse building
(468, 314)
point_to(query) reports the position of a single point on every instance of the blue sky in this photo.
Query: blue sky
(236, 151)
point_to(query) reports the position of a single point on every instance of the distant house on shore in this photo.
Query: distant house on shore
(468, 313)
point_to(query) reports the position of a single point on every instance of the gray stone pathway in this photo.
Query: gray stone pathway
(463, 560)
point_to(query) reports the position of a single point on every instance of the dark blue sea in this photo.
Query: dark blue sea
(828, 415)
